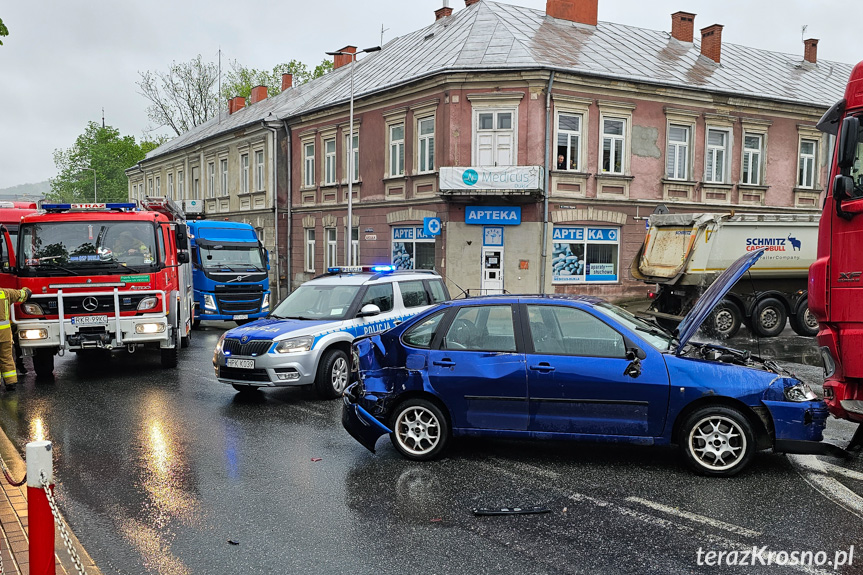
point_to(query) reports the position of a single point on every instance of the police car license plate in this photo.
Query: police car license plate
(242, 316)
(241, 363)
(90, 320)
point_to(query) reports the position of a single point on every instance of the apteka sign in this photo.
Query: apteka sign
(499, 215)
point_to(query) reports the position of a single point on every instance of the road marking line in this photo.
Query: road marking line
(815, 473)
(736, 529)
(838, 470)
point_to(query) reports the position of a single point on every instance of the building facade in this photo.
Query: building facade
(524, 157)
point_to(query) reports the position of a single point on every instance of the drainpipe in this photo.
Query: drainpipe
(275, 173)
(544, 253)
(289, 186)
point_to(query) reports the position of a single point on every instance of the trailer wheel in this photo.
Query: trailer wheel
(769, 317)
(804, 321)
(725, 321)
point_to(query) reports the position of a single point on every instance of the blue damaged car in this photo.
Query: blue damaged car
(570, 367)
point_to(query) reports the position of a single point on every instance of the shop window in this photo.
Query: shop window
(585, 254)
(412, 249)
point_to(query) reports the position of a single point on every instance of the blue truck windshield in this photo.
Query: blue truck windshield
(70, 248)
(219, 255)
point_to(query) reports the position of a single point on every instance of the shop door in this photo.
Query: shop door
(492, 270)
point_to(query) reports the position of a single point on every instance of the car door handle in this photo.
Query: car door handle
(542, 367)
(445, 362)
(397, 322)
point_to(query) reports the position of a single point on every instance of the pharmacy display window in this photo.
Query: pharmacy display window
(585, 254)
(412, 249)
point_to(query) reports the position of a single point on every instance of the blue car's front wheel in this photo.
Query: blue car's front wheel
(717, 441)
(420, 429)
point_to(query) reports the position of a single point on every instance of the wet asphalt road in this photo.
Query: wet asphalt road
(159, 470)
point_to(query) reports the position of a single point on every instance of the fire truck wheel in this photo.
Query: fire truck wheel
(186, 340)
(171, 355)
(769, 317)
(43, 362)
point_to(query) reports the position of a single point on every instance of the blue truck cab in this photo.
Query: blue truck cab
(230, 272)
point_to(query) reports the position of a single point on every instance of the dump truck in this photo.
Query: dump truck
(683, 253)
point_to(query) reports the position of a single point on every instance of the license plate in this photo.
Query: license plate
(242, 316)
(90, 320)
(241, 363)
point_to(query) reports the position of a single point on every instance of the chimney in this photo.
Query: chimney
(580, 11)
(470, 2)
(810, 50)
(340, 60)
(258, 93)
(236, 104)
(711, 42)
(442, 13)
(682, 26)
(287, 81)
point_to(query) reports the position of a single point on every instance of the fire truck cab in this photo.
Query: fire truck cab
(104, 276)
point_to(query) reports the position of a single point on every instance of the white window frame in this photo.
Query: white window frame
(181, 185)
(355, 246)
(331, 237)
(171, 186)
(673, 151)
(223, 174)
(259, 170)
(158, 185)
(356, 166)
(803, 160)
(578, 134)
(425, 145)
(150, 187)
(710, 151)
(244, 173)
(396, 150)
(618, 147)
(211, 179)
(309, 253)
(497, 134)
(746, 157)
(329, 162)
(309, 164)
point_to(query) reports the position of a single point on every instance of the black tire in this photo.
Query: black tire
(43, 362)
(725, 321)
(804, 322)
(196, 323)
(420, 430)
(170, 356)
(769, 317)
(333, 374)
(186, 340)
(711, 434)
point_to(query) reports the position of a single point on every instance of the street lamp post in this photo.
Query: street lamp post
(94, 182)
(349, 222)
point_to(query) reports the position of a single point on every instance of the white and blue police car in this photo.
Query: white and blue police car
(307, 337)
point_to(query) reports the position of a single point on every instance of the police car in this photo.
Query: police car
(307, 337)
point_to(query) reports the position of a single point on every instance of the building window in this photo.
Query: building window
(355, 247)
(751, 173)
(806, 168)
(309, 259)
(716, 157)
(568, 142)
(585, 254)
(613, 145)
(181, 185)
(158, 186)
(223, 165)
(259, 171)
(397, 150)
(171, 186)
(331, 248)
(356, 160)
(495, 138)
(330, 161)
(211, 180)
(244, 174)
(309, 165)
(150, 187)
(412, 249)
(425, 144)
(677, 153)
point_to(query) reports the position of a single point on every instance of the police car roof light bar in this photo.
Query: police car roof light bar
(360, 269)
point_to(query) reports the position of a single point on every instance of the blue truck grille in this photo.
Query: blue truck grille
(239, 300)
(253, 347)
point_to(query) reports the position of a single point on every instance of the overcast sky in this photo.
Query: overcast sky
(65, 60)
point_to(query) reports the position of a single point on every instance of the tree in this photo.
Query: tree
(4, 31)
(183, 97)
(240, 80)
(104, 150)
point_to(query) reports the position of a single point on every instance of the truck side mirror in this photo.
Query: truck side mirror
(183, 257)
(848, 142)
(181, 237)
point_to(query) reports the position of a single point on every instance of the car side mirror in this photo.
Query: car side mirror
(635, 353)
(848, 142)
(369, 309)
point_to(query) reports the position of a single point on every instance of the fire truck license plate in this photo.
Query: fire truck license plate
(90, 320)
(241, 363)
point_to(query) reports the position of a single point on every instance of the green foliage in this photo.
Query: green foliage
(4, 31)
(240, 80)
(105, 151)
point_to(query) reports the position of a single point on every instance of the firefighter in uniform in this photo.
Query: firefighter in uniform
(7, 353)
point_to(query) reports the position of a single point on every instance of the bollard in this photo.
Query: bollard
(40, 526)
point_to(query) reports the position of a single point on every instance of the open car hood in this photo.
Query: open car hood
(713, 295)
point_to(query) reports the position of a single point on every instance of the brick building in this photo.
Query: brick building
(528, 135)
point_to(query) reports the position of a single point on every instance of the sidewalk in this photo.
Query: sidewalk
(14, 542)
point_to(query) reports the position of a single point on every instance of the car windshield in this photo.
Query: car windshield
(652, 333)
(100, 247)
(319, 302)
(220, 255)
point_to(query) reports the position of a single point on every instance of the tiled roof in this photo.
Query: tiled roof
(489, 36)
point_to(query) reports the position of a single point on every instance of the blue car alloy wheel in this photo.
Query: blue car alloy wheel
(717, 440)
(420, 430)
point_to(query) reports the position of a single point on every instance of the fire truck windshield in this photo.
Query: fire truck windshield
(90, 247)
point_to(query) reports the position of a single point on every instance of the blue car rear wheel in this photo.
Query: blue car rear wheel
(420, 430)
(717, 441)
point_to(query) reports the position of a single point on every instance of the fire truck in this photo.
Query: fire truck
(104, 277)
(836, 277)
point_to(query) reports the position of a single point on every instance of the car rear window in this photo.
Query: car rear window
(414, 293)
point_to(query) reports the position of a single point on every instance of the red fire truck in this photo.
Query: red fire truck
(104, 277)
(836, 277)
